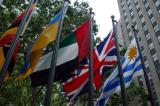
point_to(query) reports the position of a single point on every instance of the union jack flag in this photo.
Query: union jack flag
(104, 57)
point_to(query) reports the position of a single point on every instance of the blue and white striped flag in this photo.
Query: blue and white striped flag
(131, 66)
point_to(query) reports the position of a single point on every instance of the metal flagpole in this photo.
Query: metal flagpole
(122, 83)
(33, 101)
(144, 70)
(91, 89)
(12, 48)
(47, 101)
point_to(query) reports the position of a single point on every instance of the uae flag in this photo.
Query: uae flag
(73, 48)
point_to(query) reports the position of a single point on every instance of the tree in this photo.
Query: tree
(19, 92)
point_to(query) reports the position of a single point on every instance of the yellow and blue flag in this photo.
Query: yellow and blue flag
(34, 53)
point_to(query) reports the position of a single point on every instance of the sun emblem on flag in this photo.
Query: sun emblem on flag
(132, 53)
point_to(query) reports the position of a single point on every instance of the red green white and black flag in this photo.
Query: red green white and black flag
(73, 48)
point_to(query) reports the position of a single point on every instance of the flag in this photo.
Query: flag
(7, 38)
(104, 55)
(131, 66)
(47, 36)
(71, 51)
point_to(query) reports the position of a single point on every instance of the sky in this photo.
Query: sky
(103, 10)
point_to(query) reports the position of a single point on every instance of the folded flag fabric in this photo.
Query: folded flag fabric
(47, 36)
(104, 56)
(71, 51)
(131, 66)
(7, 38)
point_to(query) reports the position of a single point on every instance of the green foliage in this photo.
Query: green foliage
(18, 93)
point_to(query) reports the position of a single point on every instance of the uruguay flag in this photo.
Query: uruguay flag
(131, 66)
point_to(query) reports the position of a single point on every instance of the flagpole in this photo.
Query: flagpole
(13, 46)
(122, 83)
(91, 89)
(144, 70)
(47, 101)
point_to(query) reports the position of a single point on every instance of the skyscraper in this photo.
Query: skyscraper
(145, 16)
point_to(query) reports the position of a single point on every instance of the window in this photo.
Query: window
(159, 39)
(144, 1)
(145, 28)
(144, 58)
(157, 3)
(151, 46)
(155, 57)
(146, 5)
(156, 28)
(148, 36)
(136, 3)
(153, 19)
(142, 48)
(153, 51)
(158, 33)
(146, 63)
(146, 32)
(149, 12)
(140, 16)
(151, 15)
(128, 30)
(131, 12)
(149, 41)
(157, 65)
(154, 24)
(138, 9)
(142, 20)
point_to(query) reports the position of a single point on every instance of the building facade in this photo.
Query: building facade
(145, 16)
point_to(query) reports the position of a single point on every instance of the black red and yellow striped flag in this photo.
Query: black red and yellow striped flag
(7, 38)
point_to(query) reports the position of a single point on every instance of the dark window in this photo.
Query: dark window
(128, 30)
(142, 48)
(139, 39)
(151, 15)
(138, 9)
(156, 63)
(129, 4)
(158, 33)
(154, 24)
(123, 11)
(144, 58)
(126, 23)
(143, 24)
(158, 7)
(132, 16)
(141, 16)
(149, 41)
(125, 17)
(130, 10)
(147, 9)
(122, 5)
(136, 3)
(153, 51)
(146, 32)
(147, 69)
(145, 1)
(134, 23)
